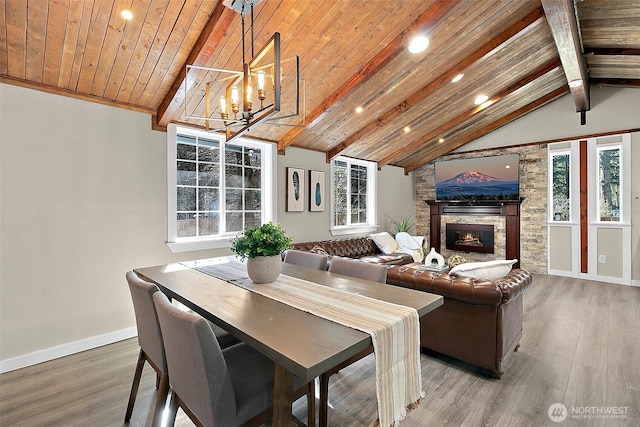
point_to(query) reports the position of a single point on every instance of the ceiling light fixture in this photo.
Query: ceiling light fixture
(480, 99)
(358, 109)
(418, 44)
(235, 88)
(407, 129)
(575, 83)
(126, 14)
(457, 78)
(441, 140)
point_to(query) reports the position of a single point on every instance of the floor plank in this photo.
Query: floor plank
(580, 347)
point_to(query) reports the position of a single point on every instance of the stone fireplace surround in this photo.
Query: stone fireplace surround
(509, 211)
(533, 211)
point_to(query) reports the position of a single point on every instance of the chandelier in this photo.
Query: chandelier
(253, 95)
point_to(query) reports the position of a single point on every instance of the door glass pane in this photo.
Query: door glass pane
(561, 200)
(609, 184)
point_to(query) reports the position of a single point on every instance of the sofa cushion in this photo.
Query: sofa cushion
(387, 259)
(488, 270)
(385, 242)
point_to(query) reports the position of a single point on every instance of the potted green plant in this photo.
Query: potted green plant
(402, 224)
(261, 246)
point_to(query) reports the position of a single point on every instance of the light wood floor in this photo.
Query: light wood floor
(581, 347)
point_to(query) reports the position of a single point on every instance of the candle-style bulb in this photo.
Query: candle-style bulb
(223, 104)
(224, 114)
(249, 97)
(235, 99)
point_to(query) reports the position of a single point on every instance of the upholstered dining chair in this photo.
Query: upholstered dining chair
(215, 387)
(361, 270)
(151, 343)
(305, 259)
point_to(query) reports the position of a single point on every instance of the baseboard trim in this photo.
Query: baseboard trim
(67, 349)
(635, 283)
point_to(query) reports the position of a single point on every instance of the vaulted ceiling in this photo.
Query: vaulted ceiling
(521, 54)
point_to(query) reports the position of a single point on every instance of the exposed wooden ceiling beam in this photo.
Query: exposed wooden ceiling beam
(444, 78)
(430, 16)
(616, 82)
(443, 149)
(452, 124)
(561, 16)
(216, 27)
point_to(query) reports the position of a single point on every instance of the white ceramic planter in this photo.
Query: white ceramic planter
(433, 255)
(264, 269)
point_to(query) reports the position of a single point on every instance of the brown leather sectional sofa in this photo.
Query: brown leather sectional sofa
(361, 248)
(480, 321)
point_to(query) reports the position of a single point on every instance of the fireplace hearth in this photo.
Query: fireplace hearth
(469, 237)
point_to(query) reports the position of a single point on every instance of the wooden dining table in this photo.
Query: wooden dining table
(298, 342)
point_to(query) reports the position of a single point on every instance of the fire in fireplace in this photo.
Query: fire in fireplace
(470, 237)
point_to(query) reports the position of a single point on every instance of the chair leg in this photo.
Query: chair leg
(311, 404)
(134, 386)
(163, 391)
(324, 400)
(173, 410)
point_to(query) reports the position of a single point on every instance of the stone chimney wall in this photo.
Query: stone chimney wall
(533, 211)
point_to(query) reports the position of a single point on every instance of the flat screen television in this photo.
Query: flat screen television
(490, 179)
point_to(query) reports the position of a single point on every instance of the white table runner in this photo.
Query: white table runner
(394, 331)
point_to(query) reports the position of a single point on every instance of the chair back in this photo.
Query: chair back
(149, 335)
(198, 371)
(306, 259)
(359, 269)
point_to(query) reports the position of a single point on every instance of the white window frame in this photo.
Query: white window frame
(268, 189)
(372, 208)
(574, 182)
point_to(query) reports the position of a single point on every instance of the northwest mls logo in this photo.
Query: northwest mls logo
(557, 412)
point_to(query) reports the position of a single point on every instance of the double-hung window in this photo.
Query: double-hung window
(354, 196)
(215, 189)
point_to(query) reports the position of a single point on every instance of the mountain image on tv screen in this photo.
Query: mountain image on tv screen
(480, 179)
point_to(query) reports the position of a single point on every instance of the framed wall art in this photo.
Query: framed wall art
(295, 190)
(316, 191)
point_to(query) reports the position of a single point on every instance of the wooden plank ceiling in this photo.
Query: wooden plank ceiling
(352, 54)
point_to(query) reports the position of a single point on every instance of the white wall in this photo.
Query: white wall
(612, 109)
(396, 196)
(83, 200)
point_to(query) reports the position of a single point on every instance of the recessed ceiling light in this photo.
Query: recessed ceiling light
(358, 109)
(575, 83)
(457, 78)
(126, 14)
(407, 129)
(418, 44)
(441, 140)
(480, 99)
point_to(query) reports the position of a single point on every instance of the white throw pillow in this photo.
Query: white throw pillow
(488, 270)
(420, 240)
(405, 240)
(408, 244)
(385, 242)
